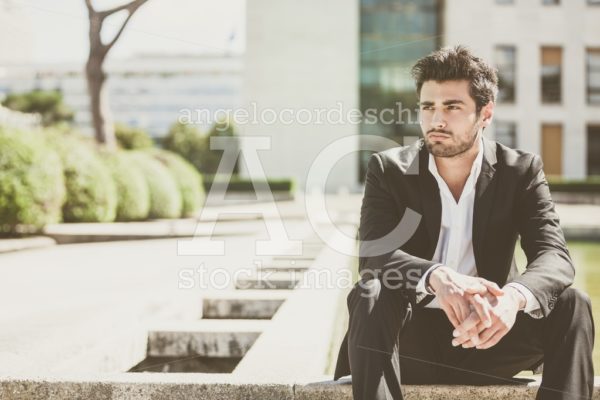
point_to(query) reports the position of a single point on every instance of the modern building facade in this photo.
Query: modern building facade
(548, 58)
(359, 53)
(301, 57)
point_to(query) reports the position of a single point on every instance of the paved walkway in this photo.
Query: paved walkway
(59, 300)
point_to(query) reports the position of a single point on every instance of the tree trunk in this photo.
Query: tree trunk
(102, 121)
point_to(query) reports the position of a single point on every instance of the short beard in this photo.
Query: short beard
(452, 150)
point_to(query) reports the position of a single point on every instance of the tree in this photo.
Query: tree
(96, 77)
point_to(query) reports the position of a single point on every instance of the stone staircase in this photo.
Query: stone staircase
(268, 338)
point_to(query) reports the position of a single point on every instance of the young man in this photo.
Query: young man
(448, 306)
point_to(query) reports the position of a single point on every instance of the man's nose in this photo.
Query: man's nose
(437, 120)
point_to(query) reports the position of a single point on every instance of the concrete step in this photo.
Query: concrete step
(127, 386)
(282, 268)
(243, 304)
(308, 250)
(269, 280)
(209, 338)
(290, 262)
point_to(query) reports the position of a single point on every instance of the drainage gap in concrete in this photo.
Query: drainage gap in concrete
(187, 364)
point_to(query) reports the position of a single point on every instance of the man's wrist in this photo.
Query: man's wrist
(434, 277)
(428, 286)
(519, 297)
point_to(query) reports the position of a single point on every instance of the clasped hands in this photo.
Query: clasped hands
(479, 310)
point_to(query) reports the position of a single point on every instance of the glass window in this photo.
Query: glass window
(551, 74)
(593, 76)
(551, 2)
(505, 58)
(394, 34)
(506, 133)
(593, 150)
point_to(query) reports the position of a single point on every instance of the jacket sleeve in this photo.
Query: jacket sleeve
(380, 215)
(549, 267)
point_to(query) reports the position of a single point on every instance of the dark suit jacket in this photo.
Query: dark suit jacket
(512, 199)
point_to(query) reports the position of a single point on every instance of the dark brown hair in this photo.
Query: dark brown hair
(458, 63)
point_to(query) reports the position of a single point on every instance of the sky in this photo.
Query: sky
(59, 28)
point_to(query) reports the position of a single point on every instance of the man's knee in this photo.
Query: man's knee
(368, 294)
(575, 297)
(364, 291)
(576, 303)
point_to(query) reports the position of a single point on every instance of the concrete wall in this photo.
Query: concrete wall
(528, 25)
(301, 55)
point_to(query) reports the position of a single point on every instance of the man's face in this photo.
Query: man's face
(449, 121)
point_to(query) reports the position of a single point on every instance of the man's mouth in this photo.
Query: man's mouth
(438, 136)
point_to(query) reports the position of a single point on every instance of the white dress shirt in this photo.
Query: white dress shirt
(455, 245)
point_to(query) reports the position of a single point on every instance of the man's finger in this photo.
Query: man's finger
(472, 333)
(451, 316)
(473, 341)
(470, 337)
(458, 312)
(493, 340)
(463, 306)
(467, 331)
(469, 323)
(476, 287)
(482, 308)
(488, 333)
(492, 287)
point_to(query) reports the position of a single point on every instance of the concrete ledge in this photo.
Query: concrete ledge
(132, 386)
(138, 386)
(8, 245)
(69, 233)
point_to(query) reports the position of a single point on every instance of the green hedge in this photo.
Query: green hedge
(589, 185)
(130, 138)
(187, 177)
(31, 182)
(133, 195)
(187, 141)
(91, 191)
(165, 198)
(237, 184)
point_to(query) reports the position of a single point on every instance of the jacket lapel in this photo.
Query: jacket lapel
(484, 199)
(430, 199)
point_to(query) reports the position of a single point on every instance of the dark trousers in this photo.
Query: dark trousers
(390, 342)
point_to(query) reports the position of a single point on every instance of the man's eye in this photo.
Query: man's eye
(453, 108)
(426, 108)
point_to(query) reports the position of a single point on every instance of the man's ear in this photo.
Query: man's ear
(487, 113)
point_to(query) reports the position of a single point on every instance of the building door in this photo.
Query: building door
(552, 149)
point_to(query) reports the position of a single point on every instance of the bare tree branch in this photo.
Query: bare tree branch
(131, 7)
(89, 6)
